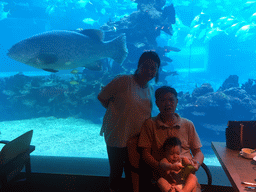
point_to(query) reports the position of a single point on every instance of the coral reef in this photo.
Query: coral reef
(229, 102)
(30, 97)
(142, 27)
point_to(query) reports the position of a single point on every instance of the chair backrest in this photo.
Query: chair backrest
(15, 147)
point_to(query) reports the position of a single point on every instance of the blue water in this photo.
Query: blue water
(216, 45)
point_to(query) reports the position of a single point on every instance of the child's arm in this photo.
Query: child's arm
(167, 166)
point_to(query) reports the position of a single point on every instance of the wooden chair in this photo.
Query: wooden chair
(14, 156)
(134, 157)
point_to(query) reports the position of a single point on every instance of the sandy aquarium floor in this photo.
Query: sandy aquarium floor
(64, 137)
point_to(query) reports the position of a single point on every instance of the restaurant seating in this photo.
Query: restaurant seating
(14, 156)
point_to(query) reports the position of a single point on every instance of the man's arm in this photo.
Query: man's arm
(163, 165)
(149, 159)
(198, 157)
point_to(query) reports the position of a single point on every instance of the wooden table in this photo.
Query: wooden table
(237, 168)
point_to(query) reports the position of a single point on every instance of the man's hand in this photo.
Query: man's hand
(186, 161)
(195, 164)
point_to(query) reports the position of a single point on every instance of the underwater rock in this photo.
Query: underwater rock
(17, 82)
(142, 27)
(250, 86)
(231, 81)
(236, 92)
(158, 4)
(184, 98)
(204, 89)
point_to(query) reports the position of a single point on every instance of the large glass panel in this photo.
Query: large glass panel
(207, 49)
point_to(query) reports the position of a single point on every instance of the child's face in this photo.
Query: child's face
(173, 154)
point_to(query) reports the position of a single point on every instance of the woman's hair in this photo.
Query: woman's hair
(165, 89)
(150, 55)
(171, 142)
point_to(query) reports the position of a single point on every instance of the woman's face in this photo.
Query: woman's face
(148, 69)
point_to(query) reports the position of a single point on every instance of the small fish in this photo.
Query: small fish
(82, 3)
(73, 82)
(189, 40)
(4, 14)
(167, 59)
(50, 9)
(178, 22)
(253, 110)
(248, 5)
(75, 71)
(230, 21)
(195, 21)
(21, 4)
(168, 72)
(196, 29)
(79, 29)
(139, 45)
(168, 49)
(221, 21)
(243, 30)
(103, 11)
(106, 3)
(235, 27)
(90, 21)
(196, 113)
(247, 37)
(202, 18)
(212, 33)
(202, 33)
(253, 18)
(215, 127)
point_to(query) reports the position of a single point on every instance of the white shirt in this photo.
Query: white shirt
(129, 106)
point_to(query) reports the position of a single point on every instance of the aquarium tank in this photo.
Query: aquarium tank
(207, 50)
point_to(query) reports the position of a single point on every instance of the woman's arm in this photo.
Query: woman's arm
(108, 93)
(104, 102)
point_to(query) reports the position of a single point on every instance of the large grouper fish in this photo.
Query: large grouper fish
(62, 50)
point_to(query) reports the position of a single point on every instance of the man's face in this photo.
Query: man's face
(167, 103)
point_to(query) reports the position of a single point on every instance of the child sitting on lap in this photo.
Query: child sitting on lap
(179, 175)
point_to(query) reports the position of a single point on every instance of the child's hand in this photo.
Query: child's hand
(177, 166)
(177, 189)
(165, 165)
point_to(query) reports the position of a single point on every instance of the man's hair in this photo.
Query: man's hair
(153, 56)
(171, 142)
(165, 89)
